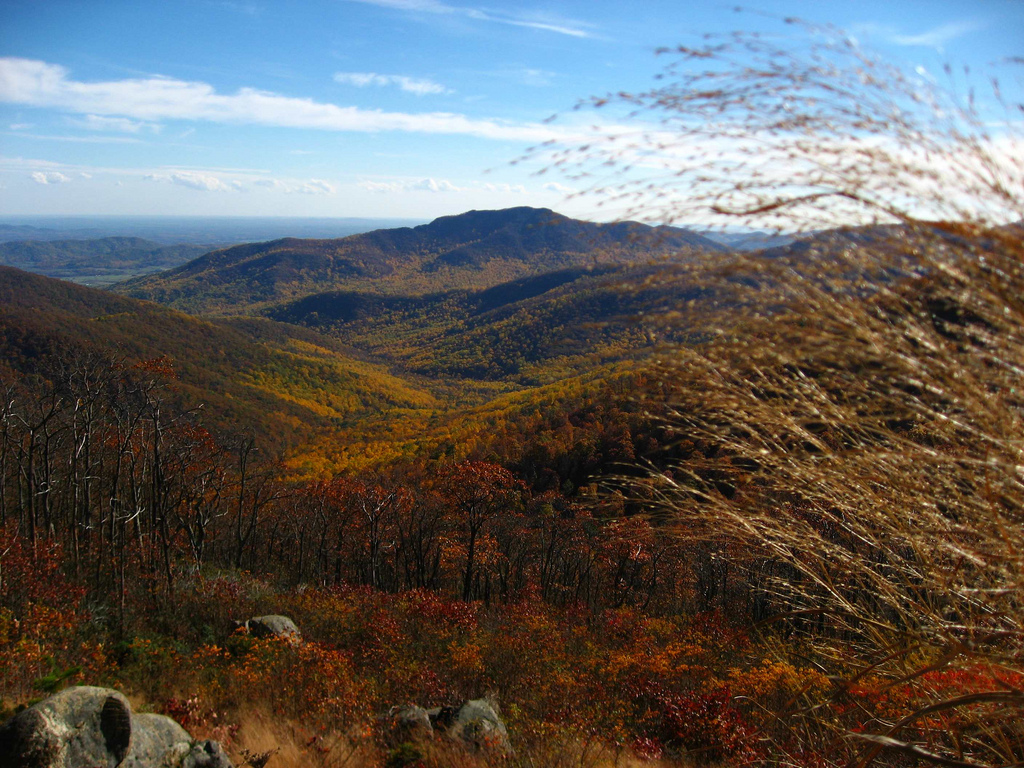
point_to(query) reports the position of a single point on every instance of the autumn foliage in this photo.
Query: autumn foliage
(794, 538)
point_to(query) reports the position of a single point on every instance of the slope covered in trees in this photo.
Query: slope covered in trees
(478, 249)
(515, 485)
(276, 380)
(471, 549)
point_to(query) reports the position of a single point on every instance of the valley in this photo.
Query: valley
(435, 384)
(472, 456)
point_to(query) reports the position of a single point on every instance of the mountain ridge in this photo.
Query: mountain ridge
(282, 380)
(472, 250)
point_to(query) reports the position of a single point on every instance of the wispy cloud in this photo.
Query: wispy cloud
(192, 180)
(417, 185)
(554, 186)
(38, 83)
(317, 187)
(936, 37)
(514, 189)
(117, 124)
(418, 85)
(52, 177)
(532, 21)
(204, 181)
(440, 186)
(78, 139)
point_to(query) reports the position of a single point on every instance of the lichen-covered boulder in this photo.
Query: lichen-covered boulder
(273, 626)
(95, 728)
(478, 724)
(158, 740)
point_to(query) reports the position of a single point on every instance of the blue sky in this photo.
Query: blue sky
(390, 108)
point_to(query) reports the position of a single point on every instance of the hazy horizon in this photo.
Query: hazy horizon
(202, 230)
(408, 109)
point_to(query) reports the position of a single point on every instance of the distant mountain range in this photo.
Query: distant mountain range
(749, 241)
(520, 296)
(95, 262)
(474, 250)
(209, 231)
(303, 338)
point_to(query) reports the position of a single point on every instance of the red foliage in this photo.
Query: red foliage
(34, 576)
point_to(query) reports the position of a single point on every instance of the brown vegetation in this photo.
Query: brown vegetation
(854, 449)
(812, 554)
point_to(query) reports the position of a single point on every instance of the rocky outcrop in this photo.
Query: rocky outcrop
(475, 724)
(272, 626)
(478, 725)
(95, 727)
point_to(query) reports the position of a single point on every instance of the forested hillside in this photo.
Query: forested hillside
(478, 249)
(451, 494)
(723, 469)
(249, 376)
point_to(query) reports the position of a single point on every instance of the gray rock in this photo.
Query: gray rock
(207, 754)
(88, 727)
(408, 723)
(478, 725)
(158, 741)
(273, 626)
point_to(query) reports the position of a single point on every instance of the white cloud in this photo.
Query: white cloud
(936, 37)
(191, 179)
(119, 124)
(417, 185)
(317, 187)
(307, 187)
(39, 84)
(50, 177)
(85, 175)
(20, 126)
(270, 184)
(532, 21)
(554, 186)
(517, 189)
(435, 185)
(418, 85)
